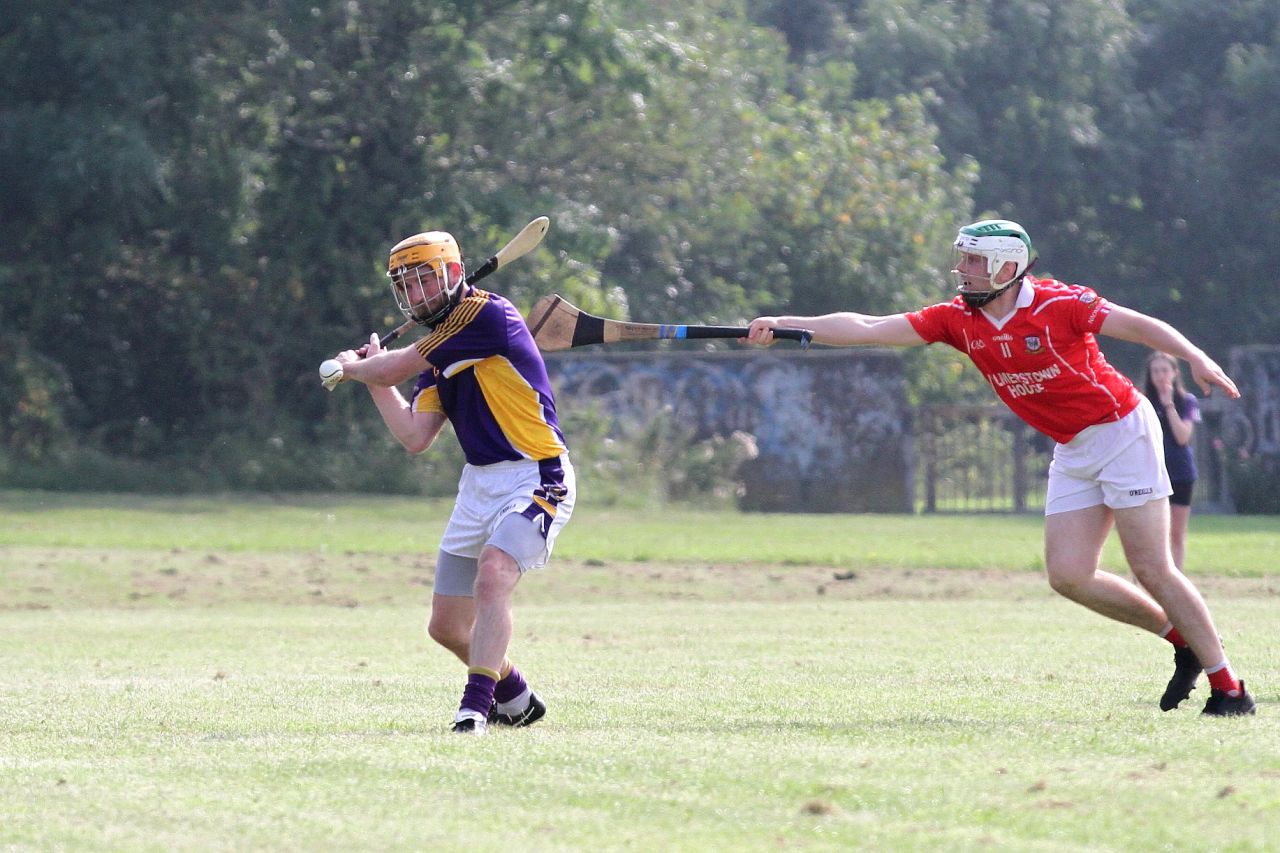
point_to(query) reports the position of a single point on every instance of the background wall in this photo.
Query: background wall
(823, 431)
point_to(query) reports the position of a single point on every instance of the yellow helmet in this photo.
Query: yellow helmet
(421, 248)
(432, 261)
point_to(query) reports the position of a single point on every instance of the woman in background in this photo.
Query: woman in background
(1178, 413)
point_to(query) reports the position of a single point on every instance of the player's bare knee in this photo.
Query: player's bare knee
(449, 633)
(1151, 569)
(496, 576)
(448, 639)
(1067, 581)
(493, 587)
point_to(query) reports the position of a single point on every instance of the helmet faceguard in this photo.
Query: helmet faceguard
(427, 276)
(997, 241)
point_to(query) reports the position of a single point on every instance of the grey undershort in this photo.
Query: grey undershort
(516, 535)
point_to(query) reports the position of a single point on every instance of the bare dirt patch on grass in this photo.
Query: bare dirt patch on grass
(68, 578)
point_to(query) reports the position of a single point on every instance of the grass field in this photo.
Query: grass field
(229, 674)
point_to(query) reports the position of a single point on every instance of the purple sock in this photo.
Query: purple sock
(478, 695)
(510, 687)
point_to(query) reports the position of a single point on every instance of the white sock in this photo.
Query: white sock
(516, 705)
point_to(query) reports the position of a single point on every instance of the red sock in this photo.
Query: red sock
(1224, 679)
(1174, 637)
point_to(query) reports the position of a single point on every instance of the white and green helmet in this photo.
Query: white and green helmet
(997, 240)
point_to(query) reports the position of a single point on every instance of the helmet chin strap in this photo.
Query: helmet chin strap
(981, 298)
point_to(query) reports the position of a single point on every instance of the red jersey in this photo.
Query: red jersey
(1043, 361)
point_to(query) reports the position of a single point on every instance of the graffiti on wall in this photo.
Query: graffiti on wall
(1252, 423)
(832, 429)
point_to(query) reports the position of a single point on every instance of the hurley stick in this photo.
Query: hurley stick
(559, 325)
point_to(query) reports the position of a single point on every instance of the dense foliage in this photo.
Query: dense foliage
(197, 196)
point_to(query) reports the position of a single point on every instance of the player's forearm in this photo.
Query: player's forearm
(399, 418)
(1152, 332)
(1166, 338)
(846, 328)
(385, 369)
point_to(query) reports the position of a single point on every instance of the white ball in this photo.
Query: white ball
(330, 372)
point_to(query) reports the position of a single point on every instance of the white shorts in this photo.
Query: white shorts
(1120, 464)
(489, 493)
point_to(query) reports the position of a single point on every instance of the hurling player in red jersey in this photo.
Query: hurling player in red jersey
(1034, 341)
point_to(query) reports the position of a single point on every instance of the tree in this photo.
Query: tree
(1212, 137)
(102, 149)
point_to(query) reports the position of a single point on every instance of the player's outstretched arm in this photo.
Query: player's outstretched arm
(1136, 327)
(843, 329)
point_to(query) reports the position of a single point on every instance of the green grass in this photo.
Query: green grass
(230, 674)
(1244, 546)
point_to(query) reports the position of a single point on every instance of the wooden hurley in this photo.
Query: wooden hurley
(559, 325)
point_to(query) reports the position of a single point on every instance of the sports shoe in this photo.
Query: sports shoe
(1222, 705)
(470, 723)
(1186, 669)
(533, 712)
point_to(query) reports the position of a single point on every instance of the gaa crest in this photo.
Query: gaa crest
(1032, 342)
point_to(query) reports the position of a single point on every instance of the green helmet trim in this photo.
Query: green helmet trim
(1000, 228)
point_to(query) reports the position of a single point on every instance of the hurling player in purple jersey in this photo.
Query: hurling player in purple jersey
(478, 369)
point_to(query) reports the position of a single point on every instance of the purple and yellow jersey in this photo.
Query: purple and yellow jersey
(486, 375)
